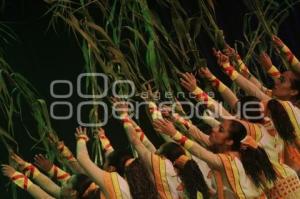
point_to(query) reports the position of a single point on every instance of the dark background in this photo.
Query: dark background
(43, 55)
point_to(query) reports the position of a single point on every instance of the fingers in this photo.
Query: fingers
(53, 139)
(7, 170)
(205, 71)
(4, 169)
(263, 56)
(39, 158)
(227, 46)
(215, 52)
(101, 131)
(185, 84)
(191, 76)
(4, 166)
(80, 130)
(16, 158)
(186, 79)
(158, 125)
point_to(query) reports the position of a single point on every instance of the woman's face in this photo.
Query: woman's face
(283, 86)
(67, 190)
(219, 136)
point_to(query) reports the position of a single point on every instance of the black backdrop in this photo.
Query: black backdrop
(43, 55)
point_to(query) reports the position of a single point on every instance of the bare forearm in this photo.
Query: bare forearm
(143, 152)
(36, 192)
(250, 88)
(143, 138)
(197, 150)
(42, 180)
(226, 93)
(211, 104)
(75, 167)
(198, 135)
(90, 168)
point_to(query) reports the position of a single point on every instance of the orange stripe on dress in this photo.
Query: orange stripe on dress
(220, 184)
(156, 167)
(240, 191)
(228, 170)
(109, 186)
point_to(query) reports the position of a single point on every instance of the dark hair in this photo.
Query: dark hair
(190, 174)
(295, 84)
(255, 161)
(82, 182)
(255, 115)
(281, 120)
(137, 177)
(141, 186)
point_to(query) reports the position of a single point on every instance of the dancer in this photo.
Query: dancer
(245, 166)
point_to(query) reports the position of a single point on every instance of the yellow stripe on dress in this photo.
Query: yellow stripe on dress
(292, 117)
(109, 186)
(258, 132)
(228, 169)
(116, 185)
(239, 190)
(161, 182)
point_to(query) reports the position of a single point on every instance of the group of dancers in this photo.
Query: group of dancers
(250, 152)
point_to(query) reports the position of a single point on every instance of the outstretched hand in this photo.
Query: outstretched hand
(277, 41)
(54, 140)
(166, 111)
(205, 73)
(42, 162)
(230, 52)
(81, 134)
(188, 81)
(121, 107)
(165, 127)
(265, 61)
(21, 164)
(7, 170)
(221, 58)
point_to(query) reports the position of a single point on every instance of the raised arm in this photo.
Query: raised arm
(66, 154)
(51, 169)
(32, 172)
(209, 157)
(155, 115)
(143, 138)
(244, 83)
(288, 54)
(226, 93)
(241, 66)
(143, 152)
(121, 108)
(96, 174)
(24, 183)
(193, 130)
(266, 63)
(189, 82)
(107, 147)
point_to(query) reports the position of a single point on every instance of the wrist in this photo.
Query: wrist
(284, 49)
(21, 180)
(30, 170)
(123, 115)
(197, 91)
(182, 140)
(82, 138)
